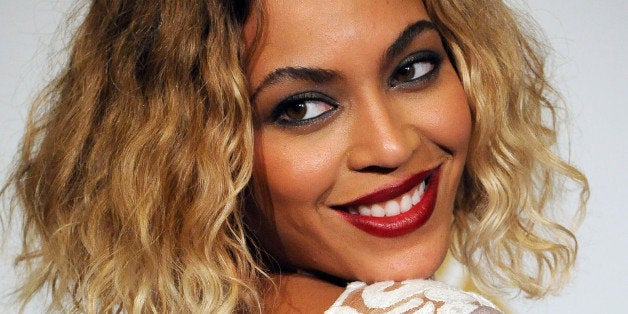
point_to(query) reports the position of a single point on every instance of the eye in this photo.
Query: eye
(413, 71)
(302, 108)
(418, 67)
(305, 110)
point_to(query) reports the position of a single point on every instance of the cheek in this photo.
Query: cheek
(448, 120)
(296, 172)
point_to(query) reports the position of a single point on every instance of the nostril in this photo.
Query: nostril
(381, 146)
(377, 169)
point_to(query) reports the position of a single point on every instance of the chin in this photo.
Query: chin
(415, 263)
(403, 272)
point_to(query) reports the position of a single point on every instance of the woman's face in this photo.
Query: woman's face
(361, 137)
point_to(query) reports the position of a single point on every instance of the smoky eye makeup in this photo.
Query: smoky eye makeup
(416, 69)
(302, 109)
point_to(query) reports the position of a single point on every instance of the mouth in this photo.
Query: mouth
(396, 210)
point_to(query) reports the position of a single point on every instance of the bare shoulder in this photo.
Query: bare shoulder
(295, 293)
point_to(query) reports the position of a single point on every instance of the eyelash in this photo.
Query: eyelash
(423, 56)
(278, 114)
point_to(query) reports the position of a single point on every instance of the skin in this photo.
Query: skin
(372, 134)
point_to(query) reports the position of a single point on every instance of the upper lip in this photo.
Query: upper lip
(389, 192)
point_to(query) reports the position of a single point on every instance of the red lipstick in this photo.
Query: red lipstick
(401, 224)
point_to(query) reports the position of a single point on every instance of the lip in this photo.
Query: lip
(404, 223)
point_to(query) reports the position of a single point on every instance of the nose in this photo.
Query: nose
(382, 140)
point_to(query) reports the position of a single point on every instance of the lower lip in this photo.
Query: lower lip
(395, 226)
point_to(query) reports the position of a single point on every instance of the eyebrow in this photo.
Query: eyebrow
(315, 75)
(407, 36)
(319, 75)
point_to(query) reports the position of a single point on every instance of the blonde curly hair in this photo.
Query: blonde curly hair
(132, 165)
(502, 231)
(134, 161)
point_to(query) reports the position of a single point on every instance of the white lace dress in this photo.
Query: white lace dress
(410, 296)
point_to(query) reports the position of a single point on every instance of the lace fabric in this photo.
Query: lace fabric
(410, 296)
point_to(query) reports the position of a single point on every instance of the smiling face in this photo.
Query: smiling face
(361, 138)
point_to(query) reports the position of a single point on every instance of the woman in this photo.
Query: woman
(368, 128)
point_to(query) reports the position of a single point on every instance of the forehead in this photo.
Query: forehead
(313, 32)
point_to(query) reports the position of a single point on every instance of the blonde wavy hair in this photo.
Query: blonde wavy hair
(134, 162)
(503, 230)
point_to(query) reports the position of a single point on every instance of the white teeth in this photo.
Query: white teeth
(406, 203)
(392, 208)
(416, 197)
(377, 211)
(364, 210)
